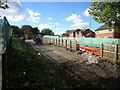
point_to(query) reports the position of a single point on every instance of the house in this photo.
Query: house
(67, 33)
(79, 33)
(107, 32)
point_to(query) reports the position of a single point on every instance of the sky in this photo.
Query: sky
(57, 16)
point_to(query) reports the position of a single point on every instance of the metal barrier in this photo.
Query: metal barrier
(6, 32)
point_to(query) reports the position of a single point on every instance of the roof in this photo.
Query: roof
(69, 31)
(103, 27)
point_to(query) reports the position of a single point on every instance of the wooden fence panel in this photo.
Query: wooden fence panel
(68, 44)
(119, 53)
(61, 42)
(111, 51)
(58, 41)
(73, 45)
(65, 43)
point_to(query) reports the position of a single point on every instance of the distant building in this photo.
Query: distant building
(67, 33)
(79, 33)
(107, 32)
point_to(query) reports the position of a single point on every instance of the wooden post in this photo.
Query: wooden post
(102, 50)
(116, 52)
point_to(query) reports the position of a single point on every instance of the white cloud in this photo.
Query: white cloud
(49, 18)
(75, 18)
(86, 13)
(80, 25)
(14, 12)
(57, 23)
(34, 16)
(43, 26)
(78, 22)
(16, 18)
(58, 33)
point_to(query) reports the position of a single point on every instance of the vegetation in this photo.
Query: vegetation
(25, 69)
(106, 12)
(47, 32)
(17, 31)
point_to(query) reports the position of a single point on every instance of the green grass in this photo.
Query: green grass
(25, 69)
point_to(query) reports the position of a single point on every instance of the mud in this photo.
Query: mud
(77, 69)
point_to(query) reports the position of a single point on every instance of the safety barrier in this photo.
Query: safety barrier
(95, 51)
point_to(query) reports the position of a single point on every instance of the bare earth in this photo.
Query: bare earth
(76, 69)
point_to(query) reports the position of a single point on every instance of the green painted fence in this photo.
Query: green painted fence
(6, 31)
(96, 42)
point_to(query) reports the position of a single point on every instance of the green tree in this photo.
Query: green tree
(35, 30)
(26, 28)
(17, 31)
(106, 12)
(47, 32)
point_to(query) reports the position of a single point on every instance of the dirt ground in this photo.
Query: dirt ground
(80, 69)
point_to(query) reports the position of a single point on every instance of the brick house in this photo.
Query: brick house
(79, 33)
(107, 32)
(67, 33)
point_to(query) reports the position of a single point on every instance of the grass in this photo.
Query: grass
(25, 69)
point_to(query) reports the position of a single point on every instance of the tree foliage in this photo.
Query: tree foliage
(35, 30)
(47, 32)
(17, 31)
(106, 12)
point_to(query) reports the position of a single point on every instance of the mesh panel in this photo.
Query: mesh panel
(96, 42)
(6, 32)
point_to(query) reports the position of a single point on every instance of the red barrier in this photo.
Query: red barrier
(97, 51)
(82, 47)
(89, 50)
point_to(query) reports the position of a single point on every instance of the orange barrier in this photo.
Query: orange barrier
(97, 51)
(82, 47)
(89, 50)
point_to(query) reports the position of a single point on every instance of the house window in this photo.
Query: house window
(110, 30)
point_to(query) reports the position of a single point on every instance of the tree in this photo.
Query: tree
(17, 31)
(26, 28)
(3, 4)
(47, 32)
(35, 31)
(106, 12)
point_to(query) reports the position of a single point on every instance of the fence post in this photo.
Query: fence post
(102, 50)
(116, 52)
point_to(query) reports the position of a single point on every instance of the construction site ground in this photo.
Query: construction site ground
(78, 68)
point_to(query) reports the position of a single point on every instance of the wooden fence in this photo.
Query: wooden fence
(111, 51)
(67, 43)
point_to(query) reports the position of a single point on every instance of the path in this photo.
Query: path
(76, 70)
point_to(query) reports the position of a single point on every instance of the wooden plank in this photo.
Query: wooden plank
(102, 50)
(116, 51)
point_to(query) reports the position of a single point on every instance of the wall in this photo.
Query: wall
(104, 33)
